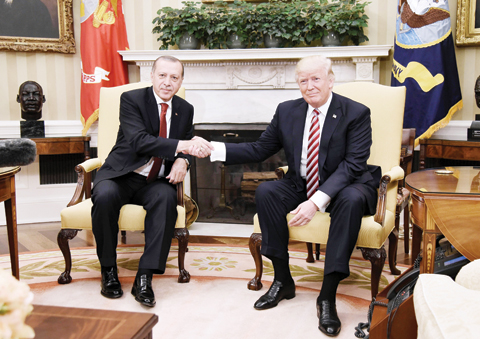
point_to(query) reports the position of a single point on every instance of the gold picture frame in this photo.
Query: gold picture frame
(468, 31)
(65, 43)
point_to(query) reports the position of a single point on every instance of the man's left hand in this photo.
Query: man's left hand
(303, 213)
(178, 172)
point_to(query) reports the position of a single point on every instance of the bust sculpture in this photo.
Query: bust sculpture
(30, 97)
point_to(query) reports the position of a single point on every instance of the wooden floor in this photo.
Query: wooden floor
(43, 236)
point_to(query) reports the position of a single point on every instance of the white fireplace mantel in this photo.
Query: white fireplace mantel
(245, 85)
(263, 68)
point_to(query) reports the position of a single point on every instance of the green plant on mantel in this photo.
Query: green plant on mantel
(296, 22)
(345, 17)
(172, 23)
(282, 19)
(239, 22)
(218, 27)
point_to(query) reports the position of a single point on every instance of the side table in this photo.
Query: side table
(445, 202)
(78, 323)
(448, 149)
(7, 195)
(63, 145)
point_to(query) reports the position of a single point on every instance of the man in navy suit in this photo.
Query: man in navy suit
(124, 177)
(344, 185)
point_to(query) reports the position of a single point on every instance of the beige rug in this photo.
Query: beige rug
(215, 304)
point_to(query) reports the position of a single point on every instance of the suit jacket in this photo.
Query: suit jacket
(137, 138)
(344, 145)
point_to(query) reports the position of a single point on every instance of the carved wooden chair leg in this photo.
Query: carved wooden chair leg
(392, 251)
(255, 243)
(182, 235)
(124, 237)
(406, 229)
(377, 258)
(317, 251)
(310, 257)
(62, 240)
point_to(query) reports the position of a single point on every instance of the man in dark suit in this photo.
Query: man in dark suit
(326, 138)
(143, 168)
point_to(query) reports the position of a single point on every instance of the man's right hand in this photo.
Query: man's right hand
(198, 147)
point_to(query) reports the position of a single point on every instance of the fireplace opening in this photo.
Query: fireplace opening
(226, 194)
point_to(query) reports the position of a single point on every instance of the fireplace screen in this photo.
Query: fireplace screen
(226, 194)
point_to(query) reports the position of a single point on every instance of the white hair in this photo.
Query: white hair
(8, 2)
(315, 62)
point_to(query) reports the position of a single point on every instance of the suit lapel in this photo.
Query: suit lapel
(299, 116)
(334, 115)
(152, 109)
(175, 118)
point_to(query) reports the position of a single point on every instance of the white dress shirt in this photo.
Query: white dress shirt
(319, 198)
(145, 169)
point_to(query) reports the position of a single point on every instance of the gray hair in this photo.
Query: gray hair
(168, 58)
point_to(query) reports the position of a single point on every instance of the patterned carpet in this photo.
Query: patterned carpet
(216, 303)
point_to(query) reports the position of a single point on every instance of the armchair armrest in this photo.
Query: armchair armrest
(90, 164)
(84, 180)
(281, 171)
(395, 174)
(180, 200)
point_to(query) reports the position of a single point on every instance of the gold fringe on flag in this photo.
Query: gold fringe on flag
(440, 124)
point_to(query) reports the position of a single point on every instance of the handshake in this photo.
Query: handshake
(197, 147)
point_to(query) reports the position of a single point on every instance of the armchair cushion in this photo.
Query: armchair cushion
(372, 234)
(131, 216)
(448, 309)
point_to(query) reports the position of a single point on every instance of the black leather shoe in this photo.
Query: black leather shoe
(142, 290)
(329, 323)
(275, 293)
(111, 287)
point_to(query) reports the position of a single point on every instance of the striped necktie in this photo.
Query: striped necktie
(312, 155)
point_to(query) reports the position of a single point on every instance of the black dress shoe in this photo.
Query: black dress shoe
(111, 287)
(142, 290)
(329, 323)
(275, 293)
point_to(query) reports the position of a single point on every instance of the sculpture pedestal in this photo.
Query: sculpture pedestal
(32, 129)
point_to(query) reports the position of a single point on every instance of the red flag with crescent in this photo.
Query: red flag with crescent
(103, 34)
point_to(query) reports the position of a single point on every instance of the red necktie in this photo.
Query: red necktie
(312, 155)
(157, 162)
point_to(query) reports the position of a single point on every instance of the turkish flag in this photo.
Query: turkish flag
(103, 33)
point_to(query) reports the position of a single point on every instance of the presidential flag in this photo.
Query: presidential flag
(103, 34)
(424, 61)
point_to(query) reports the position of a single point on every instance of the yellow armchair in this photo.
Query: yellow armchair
(77, 215)
(387, 107)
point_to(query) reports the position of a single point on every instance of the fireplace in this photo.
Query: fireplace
(226, 194)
